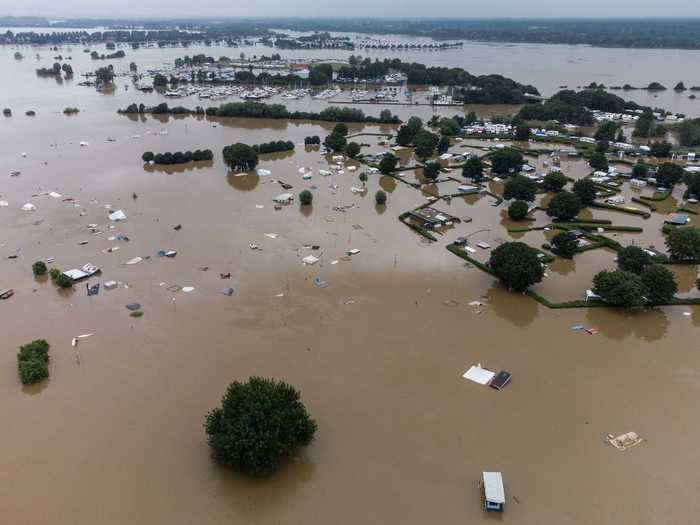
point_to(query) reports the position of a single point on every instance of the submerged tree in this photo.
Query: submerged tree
(260, 424)
(516, 265)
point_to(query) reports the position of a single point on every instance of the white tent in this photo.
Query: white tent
(493, 488)
(478, 375)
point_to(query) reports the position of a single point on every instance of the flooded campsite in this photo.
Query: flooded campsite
(346, 298)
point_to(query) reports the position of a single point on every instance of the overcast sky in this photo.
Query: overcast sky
(387, 8)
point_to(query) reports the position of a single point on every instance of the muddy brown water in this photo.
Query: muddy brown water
(116, 436)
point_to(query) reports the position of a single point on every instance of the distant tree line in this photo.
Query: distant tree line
(117, 54)
(250, 109)
(273, 147)
(178, 157)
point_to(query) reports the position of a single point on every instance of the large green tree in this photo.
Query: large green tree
(519, 187)
(564, 205)
(260, 424)
(335, 142)
(633, 259)
(620, 288)
(684, 243)
(669, 174)
(517, 210)
(240, 156)
(598, 161)
(564, 244)
(554, 181)
(388, 163)
(660, 283)
(474, 169)
(516, 265)
(506, 160)
(585, 190)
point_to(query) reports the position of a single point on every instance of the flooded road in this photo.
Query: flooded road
(115, 436)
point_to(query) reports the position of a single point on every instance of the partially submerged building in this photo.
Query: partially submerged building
(431, 218)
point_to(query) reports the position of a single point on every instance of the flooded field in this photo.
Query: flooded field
(376, 343)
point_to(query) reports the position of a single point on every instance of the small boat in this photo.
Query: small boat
(6, 294)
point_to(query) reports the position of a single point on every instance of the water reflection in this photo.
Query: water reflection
(258, 496)
(649, 325)
(178, 168)
(306, 209)
(388, 184)
(36, 388)
(562, 266)
(380, 208)
(243, 181)
(518, 309)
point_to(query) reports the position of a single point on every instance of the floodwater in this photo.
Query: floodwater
(115, 436)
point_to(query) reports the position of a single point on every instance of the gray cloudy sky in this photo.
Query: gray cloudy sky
(389, 8)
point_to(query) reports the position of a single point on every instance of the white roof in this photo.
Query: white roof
(493, 487)
(118, 215)
(478, 375)
(284, 197)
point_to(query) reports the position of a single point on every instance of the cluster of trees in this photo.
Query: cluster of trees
(260, 424)
(575, 107)
(117, 54)
(250, 109)
(564, 206)
(684, 244)
(194, 60)
(637, 281)
(273, 147)
(646, 126)
(60, 279)
(178, 157)
(33, 362)
(240, 156)
(689, 133)
(105, 75)
(631, 32)
(55, 70)
(314, 140)
(485, 89)
(388, 163)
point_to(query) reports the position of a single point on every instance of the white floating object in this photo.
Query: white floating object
(29, 207)
(263, 172)
(310, 260)
(478, 375)
(135, 260)
(4, 204)
(188, 289)
(83, 144)
(118, 215)
(55, 195)
(272, 235)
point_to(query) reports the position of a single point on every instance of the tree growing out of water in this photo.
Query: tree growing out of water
(506, 160)
(669, 174)
(554, 181)
(388, 163)
(39, 268)
(585, 190)
(148, 156)
(306, 198)
(564, 206)
(516, 265)
(407, 132)
(660, 283)
(431, 171)
(598, 161)
(312, 140)
(564, 244)
(425, 144)
(352, 150)
(684, 243)
(519, 187)
(240, 156)
(335, 142)
(341, 129)
(33, 362)
(640, 171)
(517, 210)
(259, 425)
(380, 197)
(606, 131)
(620, 288)
(473, 169)
(443, 144)
(633, 259)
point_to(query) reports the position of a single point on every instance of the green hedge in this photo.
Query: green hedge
(605, 206)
